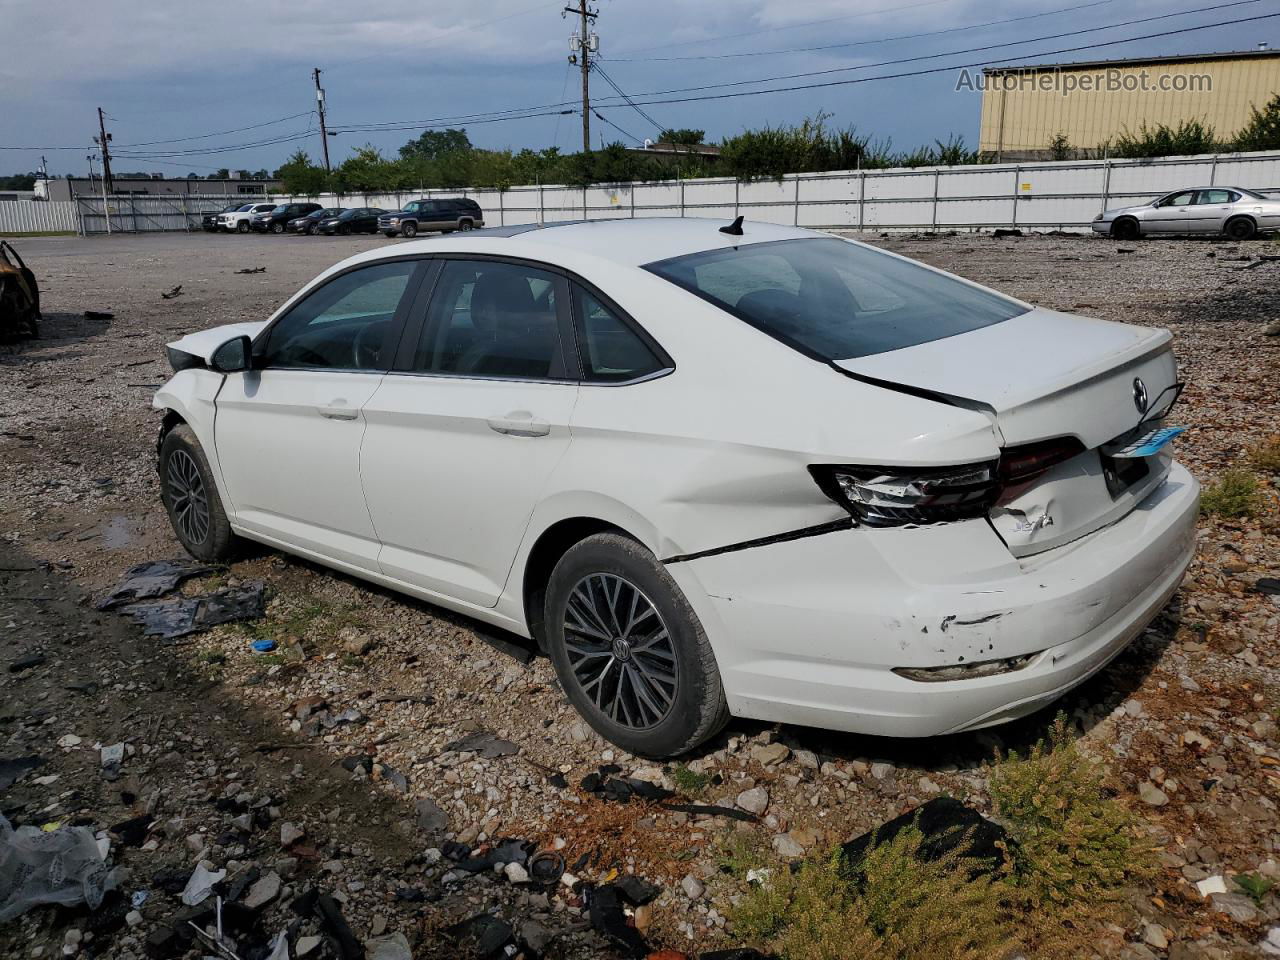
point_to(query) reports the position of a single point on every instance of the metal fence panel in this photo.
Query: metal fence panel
(38, 216)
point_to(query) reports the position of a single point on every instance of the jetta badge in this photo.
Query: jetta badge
(1139, 395)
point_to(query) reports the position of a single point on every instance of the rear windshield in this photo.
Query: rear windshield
(835, 300)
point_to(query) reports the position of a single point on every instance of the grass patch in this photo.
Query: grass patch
(214, 657)
(742, 851)
(691, 783)
(894, 906)
(1266, 456)
(1255, 886)
(307, 618)
(1236, 494)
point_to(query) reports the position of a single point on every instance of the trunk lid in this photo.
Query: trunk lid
(1045, 375)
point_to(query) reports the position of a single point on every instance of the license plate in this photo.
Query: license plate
(1148, 444)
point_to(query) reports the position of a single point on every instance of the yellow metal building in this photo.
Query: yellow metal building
(1025, 107)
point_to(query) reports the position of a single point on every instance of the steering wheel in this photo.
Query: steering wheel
(364, 355)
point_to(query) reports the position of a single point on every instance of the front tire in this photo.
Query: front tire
(409, 230)
(629, 651)
(1126, 228)
(1241, 228)
(191, 498)
(242, 226)
(277, 228)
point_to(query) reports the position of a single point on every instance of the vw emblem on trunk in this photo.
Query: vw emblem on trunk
(1139, 394)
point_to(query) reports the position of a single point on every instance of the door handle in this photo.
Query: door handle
(519, 424)
(338, 411)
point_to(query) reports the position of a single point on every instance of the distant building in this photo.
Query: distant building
(1024, 108)
(675, 153)
(65, 189)
(12, 195)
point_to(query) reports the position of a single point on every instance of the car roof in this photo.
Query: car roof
(627, 241)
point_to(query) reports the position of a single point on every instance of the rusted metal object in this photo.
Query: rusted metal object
(19, 296)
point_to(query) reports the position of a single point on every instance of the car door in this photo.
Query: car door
(463, 435)
(288, 431)
(1172, 214)
(1213, 207)
(437, 216)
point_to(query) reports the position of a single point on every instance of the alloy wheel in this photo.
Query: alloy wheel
(620, 651)
(187, 494)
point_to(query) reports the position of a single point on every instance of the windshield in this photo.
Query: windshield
(347, 214)
(834, 300)
(283, 208)
(245, 208)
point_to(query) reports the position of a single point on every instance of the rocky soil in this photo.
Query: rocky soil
(385, 750)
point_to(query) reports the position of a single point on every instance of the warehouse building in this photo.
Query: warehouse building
(157, 186)
(1025, 108)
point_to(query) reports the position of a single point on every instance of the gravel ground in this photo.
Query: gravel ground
(334, 763)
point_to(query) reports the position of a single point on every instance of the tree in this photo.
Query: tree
(434, 144)
(300, 176)
(222, 174)
(19, 181)
(1060, 147)
(683, 135)
(1262, 132)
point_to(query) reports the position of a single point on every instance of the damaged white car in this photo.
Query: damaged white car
(710, 469)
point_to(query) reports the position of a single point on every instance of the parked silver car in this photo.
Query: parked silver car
(1234, 211)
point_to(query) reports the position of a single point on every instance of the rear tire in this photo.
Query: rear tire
(408, 230)
(1241, 228)
(191, 498)
(629, 651)
(1126, 228)
(466, 225)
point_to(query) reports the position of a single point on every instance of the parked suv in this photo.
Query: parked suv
(238, 220)
(445, 215)
(277, 219)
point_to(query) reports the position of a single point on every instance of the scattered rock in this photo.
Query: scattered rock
(755, 800)
(784, 845)
(693, 887)
(1151, 794)
(770, 753)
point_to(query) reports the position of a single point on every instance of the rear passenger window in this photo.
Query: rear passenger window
(490, 319)
(612, 351)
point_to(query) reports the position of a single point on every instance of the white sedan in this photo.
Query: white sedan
(710, 469)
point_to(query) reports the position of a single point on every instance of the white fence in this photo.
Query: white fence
(1038, 196)
(29, 216)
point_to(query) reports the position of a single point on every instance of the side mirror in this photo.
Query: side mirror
(233, 356)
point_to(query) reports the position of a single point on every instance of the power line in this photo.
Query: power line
(220, 133)
(863, 43)
(609, 80)
(603, 119)
(951, 53)
(209, 151)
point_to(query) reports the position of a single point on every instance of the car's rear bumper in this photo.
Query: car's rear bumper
(808, 631)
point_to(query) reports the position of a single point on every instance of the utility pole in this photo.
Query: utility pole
(584, 43)
(102, 141)
(324, 133)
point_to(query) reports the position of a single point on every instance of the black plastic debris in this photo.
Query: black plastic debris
(557, 780)
(152, 579)
(604, 908)
(711, 810)
(637, 891)
(330, 913)
(482, 936)
(175, 292)
(484, 744)
(26, 662)
(504, 851)
(133, 832)
(1006, 232)
(174, 619)
(1268, 585)
(252, 270)
(620, 789)
(947, 824)
(13, 770)
(455, 851)
(547, 867)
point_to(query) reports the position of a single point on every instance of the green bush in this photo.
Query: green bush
(1236, 494)
(1262, 132)
(1074, 843)
(894, 907)
(1162, 140)
(1266, 456)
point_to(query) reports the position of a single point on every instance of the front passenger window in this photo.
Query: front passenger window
(345, 324)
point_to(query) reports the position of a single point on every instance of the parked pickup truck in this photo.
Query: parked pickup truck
(444, 215)
(238, 220)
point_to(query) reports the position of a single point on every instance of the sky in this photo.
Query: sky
(199, 74)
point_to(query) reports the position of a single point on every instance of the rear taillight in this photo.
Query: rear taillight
(896, 496)
(1028, 461)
